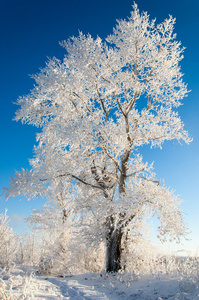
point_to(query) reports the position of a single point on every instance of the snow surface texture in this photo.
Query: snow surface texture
(23, 283)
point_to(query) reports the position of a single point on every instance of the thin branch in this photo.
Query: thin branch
(114, 72)
(149, 105)
(113, 159)
(157, 138)
(77, 178)
(106, 150)
(83, 102)
(3, 191)
(129, 220)
(74, 104)
(105, 79)
(134, 173)
(102, 103)
(125, 97)
(120, 107)
(111, 105)
(148, 76)
(152, 180)
(131, 103)
(99, 74)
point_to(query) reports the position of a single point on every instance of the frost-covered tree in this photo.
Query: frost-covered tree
(8, 242)
(97, 108)
(53, 225)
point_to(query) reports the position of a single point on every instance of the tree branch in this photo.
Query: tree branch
(131, 103)
(102, 103)
(106, 150)
(152, 180)
(120, 107)
(132, 174)
(77, 178)
(83, 102)
(99, 74)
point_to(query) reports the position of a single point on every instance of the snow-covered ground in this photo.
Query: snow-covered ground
(24, 283)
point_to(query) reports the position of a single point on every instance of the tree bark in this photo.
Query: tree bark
(113, 247)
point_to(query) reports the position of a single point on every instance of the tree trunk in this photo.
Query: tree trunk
(114, 234)
(113, 248)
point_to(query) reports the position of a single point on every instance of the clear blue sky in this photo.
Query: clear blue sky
(30, 32)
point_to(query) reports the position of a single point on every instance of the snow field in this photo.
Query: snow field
(22, 283)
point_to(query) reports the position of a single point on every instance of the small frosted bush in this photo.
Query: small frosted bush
(8, 242)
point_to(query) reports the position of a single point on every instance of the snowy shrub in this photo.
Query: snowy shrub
(52, 227)
(3, 293)
(94, 259)
(29, 250)
(45, 265)
(54, 256)
(17, 287)
(143, 261)
(8, 242)
(76, 262)
(51, 266)
(88, 260)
